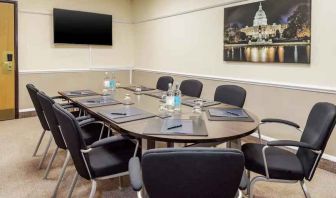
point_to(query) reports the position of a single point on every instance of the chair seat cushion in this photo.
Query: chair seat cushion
(282, 164)
(91, 132)
(111, 159)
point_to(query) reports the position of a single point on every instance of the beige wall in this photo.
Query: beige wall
(38, 52)
(67, 67)
(51, 83)
(193, 43)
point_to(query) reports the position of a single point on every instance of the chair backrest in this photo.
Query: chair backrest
(74, 140)
(32, 90)
(191, 88)
(192, 172)
(163, 81)
(47, 106)
(230, 94)
(320, 124)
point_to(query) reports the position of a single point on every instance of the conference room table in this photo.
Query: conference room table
(218, 131)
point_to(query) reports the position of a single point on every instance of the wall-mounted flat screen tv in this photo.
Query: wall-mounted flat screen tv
(76, 27)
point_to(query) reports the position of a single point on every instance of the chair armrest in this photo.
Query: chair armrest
(57, 97)
(135, 173)
(67, 106)
(280, 121)
(83, 118)
(86, 122)
(290, 143)
(109, 140)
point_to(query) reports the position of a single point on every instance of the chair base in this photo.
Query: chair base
(45, 152)
(265, 179)
(93, 183)
(50, 163)
(39, 143)
(60, 177)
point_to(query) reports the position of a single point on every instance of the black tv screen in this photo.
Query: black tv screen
(77, 27)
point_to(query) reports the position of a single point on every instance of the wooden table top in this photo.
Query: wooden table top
(218, 131)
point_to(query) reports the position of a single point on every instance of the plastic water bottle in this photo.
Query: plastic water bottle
(113, 83)
(106, 84)
(177, 98)
(170, 98)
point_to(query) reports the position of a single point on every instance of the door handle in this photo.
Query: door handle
(8, 60)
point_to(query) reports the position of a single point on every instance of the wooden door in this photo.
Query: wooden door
(7, 61)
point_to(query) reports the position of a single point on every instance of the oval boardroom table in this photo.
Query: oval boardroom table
(218, 131)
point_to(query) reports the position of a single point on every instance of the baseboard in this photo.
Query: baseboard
(26, 113)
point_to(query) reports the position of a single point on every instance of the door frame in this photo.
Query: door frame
(16, 42)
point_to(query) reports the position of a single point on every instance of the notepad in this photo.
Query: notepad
(192, 102)
(143, 88)
(235, 113)
(156, 94)
(187, 127)
(177, 126)
(228, 114)
(80, 93)
(100, 101)
(125, 114)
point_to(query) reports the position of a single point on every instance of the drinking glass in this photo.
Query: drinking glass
(164, 97)
(127, 99)
(117, 84)
(198, 106)
(162, 108)
(138, 89)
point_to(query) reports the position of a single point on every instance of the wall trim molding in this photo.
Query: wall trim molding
(74, 70)
(290, 86)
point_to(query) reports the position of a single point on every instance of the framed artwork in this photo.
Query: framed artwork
(270, 31)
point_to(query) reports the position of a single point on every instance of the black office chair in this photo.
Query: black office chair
(32, 90)
(192, 88)
(230, 94)
(163, 81)
(279, 165)
(196, 172)
(104, 159)
(92, 130)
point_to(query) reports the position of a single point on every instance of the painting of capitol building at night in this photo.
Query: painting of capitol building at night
(271, 31)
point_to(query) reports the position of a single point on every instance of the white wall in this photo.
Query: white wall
(38, 52)
(193, 43)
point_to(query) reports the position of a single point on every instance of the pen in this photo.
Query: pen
(174, 127)
(118, 113)
(235, 114)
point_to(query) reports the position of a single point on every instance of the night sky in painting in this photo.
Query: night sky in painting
(277, 11)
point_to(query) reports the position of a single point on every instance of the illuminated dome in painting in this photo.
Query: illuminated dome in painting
(260, 17)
